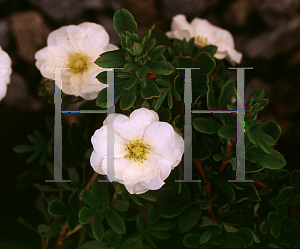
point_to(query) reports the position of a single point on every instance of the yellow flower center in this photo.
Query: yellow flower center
(201, 40)
(78, 63)
(137, 150)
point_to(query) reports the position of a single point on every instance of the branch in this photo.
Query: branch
(177, 105)
(227, 153)
(208, 189)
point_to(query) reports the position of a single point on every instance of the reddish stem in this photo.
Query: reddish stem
(259, 183)
(227, 153)
(177, 105)
(208, 189)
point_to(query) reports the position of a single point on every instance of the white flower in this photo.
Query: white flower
(5, 72)
(205, 34)
(145, 150)
(76, 47)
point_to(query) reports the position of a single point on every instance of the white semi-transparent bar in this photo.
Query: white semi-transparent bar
(57, 173)
(188, 159)
(240, 141)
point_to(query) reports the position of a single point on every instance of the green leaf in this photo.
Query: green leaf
(163, 83)
(141, 72)
(141, 223)
(205, 62)
(102, 98)
(131, 82)
(170, 100)
(148, 197)
(276, 228)
(128, 98)
(262, 139)
(273, 217)
(89, 198)
(159, 234)
(74, 202)
(102, 77)
(98, 229)
(272, 129)
(151, 90)
(225, 187)
(252, 192)
(113, 238)
(280, 173)
(175, 93)
(159, 101)
(86, 214)
(161, 67)
(295, 179)
(152, 216)
(185, 61)
(58, 208)
(111, 59)
(72, 221)
(230, 229)
(218, 157)
(256, 95)
(281, 209)
(164, 225)
(24, 148)
(211, 99)
(150, 45)
(288, 225)
(136, 200)
(295, 200)
(161, 38)
(206, 125)
(137, 49)
(93, 244)
(133, 243)
(226, 94)
(264, 227)
(191, 240)
(211, 49)
(101, 193)
(27, 224)
(227, 131)
(206, 236)
(115, 221)
(157, 52)
(219, 240)
(189, 218)
(129, 66)
(120, 206)
(234, 241)
(124, 21)
(273, 161)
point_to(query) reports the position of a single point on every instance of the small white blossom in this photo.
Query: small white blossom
(75, 47)
(5, 72)
(145, 150)
(205, 34)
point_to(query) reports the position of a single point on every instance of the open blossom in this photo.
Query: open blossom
(205, 34)
(75, 47)
(145, 150)
(5, 72)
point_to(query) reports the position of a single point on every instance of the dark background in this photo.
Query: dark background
(265, 31)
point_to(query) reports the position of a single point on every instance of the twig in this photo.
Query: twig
(227, 153)
(208, 189)
(177, 105)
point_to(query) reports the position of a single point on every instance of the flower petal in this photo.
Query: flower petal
(134, 127)
(96, 163)
(120, 164)
(99, 141)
